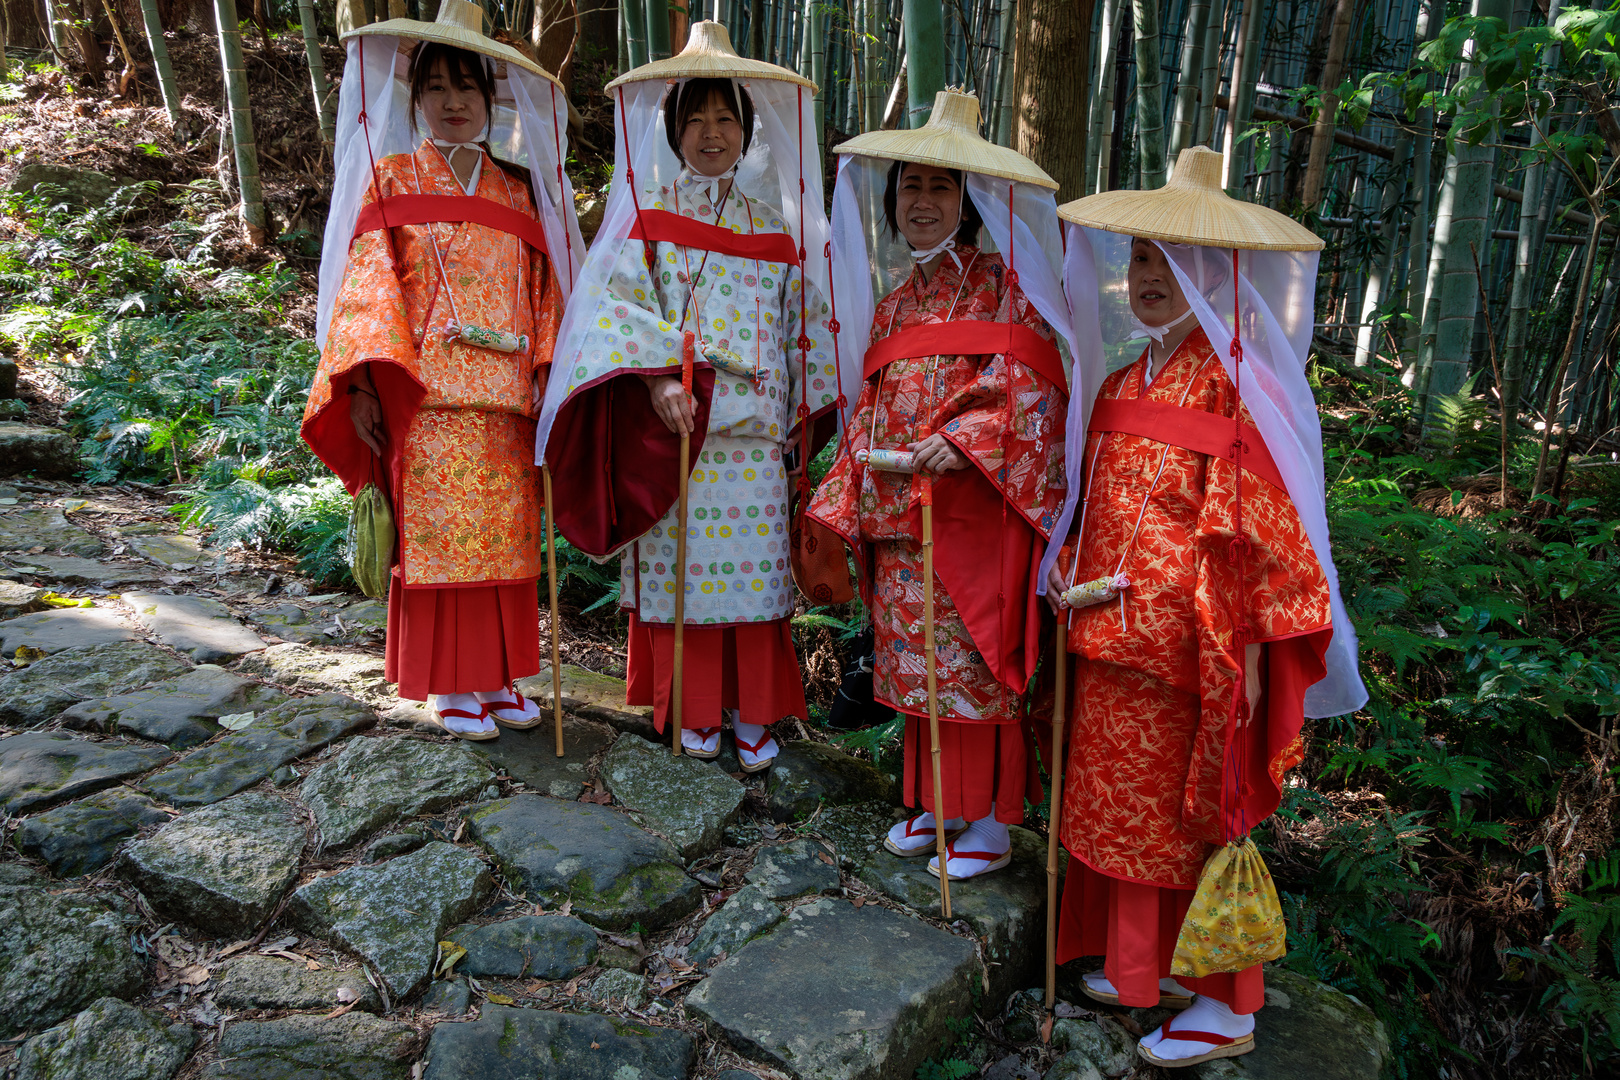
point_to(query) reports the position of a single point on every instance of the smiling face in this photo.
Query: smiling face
(452, 103)
(927, 205)
(1156, 297)
(712, 138)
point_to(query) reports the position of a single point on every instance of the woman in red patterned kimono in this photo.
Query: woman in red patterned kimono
(987, 428)
(1210, 617)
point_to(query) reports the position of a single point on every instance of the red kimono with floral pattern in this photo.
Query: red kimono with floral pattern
(1159, 770)
(991, 521)
(459, 466)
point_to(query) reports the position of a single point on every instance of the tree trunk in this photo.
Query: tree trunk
(1465, 203)
(756, 29)
(924, 58)
(1527, 251)
(160, 61)
(657, 30)
(53, 27)
(317, 69)
(84, 38)
(1244, 62)
(1556, 391)
(556, 28)
(1149, 99)
(236, 93)
(1327, 115)
(815, 30)
(1184, 125)
(1004, 74)
(1052, 45)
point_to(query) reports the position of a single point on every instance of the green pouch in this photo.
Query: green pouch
(371, 541)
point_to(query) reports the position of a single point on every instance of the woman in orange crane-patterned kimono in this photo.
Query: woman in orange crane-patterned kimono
(1156, 679)
(445, 425)
(993, 440)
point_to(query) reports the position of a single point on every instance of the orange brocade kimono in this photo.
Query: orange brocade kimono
(463, 613)
(991, 522)
(1154, 778)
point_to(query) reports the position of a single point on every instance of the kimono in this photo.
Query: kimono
(463, 612)
(1159, 772)
(991, 521)
(616, 464)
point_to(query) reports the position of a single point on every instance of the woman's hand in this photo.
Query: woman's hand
(1251, 680)
(672, 404)
(365, 410)
(1054, 590)
(936, 454)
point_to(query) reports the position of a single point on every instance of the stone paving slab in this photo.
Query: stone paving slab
(73, 570)
(181, 712)
(223, 868)
(356, 1046)
(18, 599)
(532, 946)
(60, 952)
(1307, 1029)
(374, 781)
(809, 774)
(202, 628)
(82, 837)
(108, 1041)
(269, 982)
(67, 628)
(43, 689)
(243, 758)
(746, 915)
(1006, 908)
(47, 529)
(531, 757)
(687, 800)
(27, 448)
(592, 695)
(612, 872)
(174, 551)
(885, 986)
(783, 871)
(307, 668)
(394, 914)
(41, 768)
(540, 1045)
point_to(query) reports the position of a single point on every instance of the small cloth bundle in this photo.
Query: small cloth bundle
(371, 541)
(1235, 920)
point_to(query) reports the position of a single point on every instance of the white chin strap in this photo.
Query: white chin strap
(710, 185)
(946, 246)
(1157, 333)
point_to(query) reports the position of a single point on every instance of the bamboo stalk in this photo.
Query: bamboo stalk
(236, 93)
(1055, 813)
(933, 695)
(551, 576)
(160, 60)
(317, 69)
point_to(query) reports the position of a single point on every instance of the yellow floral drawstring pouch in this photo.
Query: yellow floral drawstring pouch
(1235, 920)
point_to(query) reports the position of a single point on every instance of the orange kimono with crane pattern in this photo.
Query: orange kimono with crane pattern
(459, 460)
(1159, 771)
(991, 520)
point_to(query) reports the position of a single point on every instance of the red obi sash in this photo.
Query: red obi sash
(426, 209)
(655, 225)
(1191, 429)
(970, 337)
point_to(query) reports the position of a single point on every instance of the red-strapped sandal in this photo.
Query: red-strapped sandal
(1223, 1047)
(513, 710)
(761, 764)
(992, 861)
(462, 714)
(1167, 1000)
(705, 734)
(911, 830)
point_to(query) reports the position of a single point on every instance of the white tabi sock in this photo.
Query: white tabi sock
(1206, 1014)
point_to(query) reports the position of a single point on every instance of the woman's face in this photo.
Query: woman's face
(927, 205)
(1156, 297)
(454, 106)
(713, 138)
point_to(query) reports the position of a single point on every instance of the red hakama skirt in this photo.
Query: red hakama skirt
(1134, 927)
(714, 655)
(462, 639)
(979, 764)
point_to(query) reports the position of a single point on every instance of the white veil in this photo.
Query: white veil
(1275, 299)
(780, 168)
(528, 126)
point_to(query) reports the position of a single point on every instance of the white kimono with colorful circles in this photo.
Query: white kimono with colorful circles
(737, 531)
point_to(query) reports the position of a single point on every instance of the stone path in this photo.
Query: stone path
(231, 852)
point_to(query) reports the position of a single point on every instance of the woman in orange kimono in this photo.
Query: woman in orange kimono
(986, 427)
(1205, 615)
(429, 384)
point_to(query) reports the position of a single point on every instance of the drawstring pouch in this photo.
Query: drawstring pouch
(1235, 920)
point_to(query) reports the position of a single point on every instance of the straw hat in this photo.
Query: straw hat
(461, 24)
(709, 55)
(950, 140)
(1192, 209)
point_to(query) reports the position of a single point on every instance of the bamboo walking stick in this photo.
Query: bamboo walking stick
(551, 575)
(687, 354)
(933, 692)
(1055, 813)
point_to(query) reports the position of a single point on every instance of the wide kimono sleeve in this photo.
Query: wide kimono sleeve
(545, 294)
(370, 325)
(1271, 581)
(615, 466)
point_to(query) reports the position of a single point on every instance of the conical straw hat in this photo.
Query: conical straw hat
(709, 55)
(1192, 209)
(461, 24)
(950, 140)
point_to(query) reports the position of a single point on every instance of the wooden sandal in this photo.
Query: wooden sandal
(1222, 1047)
(462, 714)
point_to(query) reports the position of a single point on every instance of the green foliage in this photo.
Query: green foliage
(949, 1069)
